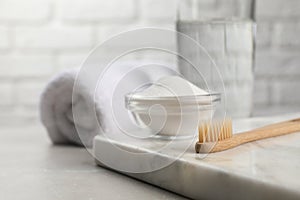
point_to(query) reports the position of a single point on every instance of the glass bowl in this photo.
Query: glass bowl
(169, 117)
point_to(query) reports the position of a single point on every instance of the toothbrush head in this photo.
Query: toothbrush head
(213, 131)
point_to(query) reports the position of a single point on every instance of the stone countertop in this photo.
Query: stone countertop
(265, 169)
(32, 168)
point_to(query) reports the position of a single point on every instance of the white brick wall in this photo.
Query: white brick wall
(158, 10)
(278, 9)
(19, 66)
(286, 91)
(264, 34)
(261, 92)
(95, 10)
(6, 91)
(278, 53)
(26, 89)
(4, 38)
(287, 34)
(70, 60)
(105, 32)
(277, 64)
(54, 38)
(20, 11)
(38, 38)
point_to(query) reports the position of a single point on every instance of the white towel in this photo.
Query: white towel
(57, 108)
(57, 115)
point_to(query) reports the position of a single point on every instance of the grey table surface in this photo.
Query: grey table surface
(32, 168)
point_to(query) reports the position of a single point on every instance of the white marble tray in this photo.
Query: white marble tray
(266, 169)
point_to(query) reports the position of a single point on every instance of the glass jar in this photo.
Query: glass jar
(225, 30)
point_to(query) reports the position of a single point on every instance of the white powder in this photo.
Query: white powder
(170, 86)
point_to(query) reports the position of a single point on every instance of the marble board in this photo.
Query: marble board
(265, 169)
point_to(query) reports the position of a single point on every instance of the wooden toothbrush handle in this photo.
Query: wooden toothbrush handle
(272, 130)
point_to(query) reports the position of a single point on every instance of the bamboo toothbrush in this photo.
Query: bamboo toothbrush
(217, 136)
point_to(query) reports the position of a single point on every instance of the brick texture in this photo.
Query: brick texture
(54, 38)
(278, 9)
(285, 92)
(287, 35)
(70, 60)
(95, 10)
(19, 11)
(26, 89)
(158, 10)
(261, 94)
(38, 38)
(26, 66)
(4, 38)
(278, 53)
(277, 64)
(6, 90)
(264, 35)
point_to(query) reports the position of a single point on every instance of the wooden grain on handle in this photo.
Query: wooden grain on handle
(273, 130)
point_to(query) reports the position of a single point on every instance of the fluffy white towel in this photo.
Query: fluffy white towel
(57, 115)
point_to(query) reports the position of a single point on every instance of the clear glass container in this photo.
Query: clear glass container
(225, 29)
(172, 117)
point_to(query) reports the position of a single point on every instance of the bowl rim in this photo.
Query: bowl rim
(184, 98)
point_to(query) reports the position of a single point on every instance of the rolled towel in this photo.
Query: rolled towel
(57, 106)
(56, 111)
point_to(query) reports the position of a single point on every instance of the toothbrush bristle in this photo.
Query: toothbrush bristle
(215, 131)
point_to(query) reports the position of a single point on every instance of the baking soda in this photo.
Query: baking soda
(171, 86)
